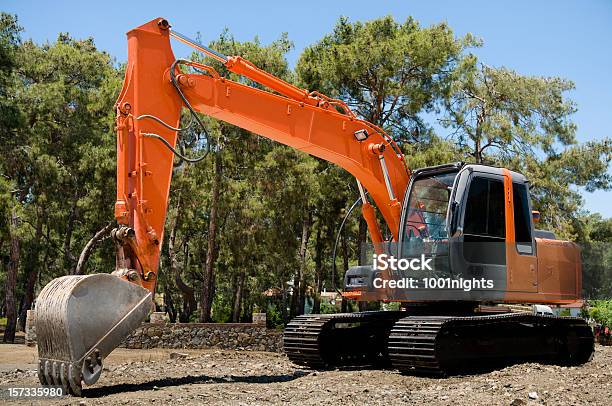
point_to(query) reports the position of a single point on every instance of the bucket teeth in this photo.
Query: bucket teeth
(41, 372)
(58, 373)
(74, 380)
(55, 379)
(63, 373)
(47, 372)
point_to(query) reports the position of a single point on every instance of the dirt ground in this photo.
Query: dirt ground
(252, 378)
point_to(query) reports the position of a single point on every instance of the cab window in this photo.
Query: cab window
(522, 218)
(484, 209)
(427, 207)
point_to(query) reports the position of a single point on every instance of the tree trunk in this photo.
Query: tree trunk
(295, 296)
(211, 252)
(238, 297)
(169, 304)
(11, 281)
(31, 267)
(316, 306)
(213, 289)
(89, 248)
(298, 299)
(478, 136)
(284, 301)
(302, 258)
(187, 292)
(246, 305)
(361, 251)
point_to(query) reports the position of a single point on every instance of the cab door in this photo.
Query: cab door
(482, 232)
(521, 257)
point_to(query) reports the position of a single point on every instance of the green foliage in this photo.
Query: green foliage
(274, 317)
(63, 161)
(222, 310)
(500, 117)
(10, 117)
(393, 306)
(57, 153)
(329, 308)
(498, 109)
(595, 238)
(601, 311)
(388, 72)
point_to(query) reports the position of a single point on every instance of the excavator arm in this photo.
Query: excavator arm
(148, 113)
(81, 319)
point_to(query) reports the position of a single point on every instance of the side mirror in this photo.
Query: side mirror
(536, 216)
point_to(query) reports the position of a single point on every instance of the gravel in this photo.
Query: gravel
(257, 378)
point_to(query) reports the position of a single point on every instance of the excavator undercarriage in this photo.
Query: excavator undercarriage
(438, 345)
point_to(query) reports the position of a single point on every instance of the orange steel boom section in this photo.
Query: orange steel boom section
(307, 121)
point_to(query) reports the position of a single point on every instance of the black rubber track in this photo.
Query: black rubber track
(435, 344)
(321, 341)
(444, 345)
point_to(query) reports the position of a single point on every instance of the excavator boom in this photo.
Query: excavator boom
(148, 112)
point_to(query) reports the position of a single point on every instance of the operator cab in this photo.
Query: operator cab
(455, 200)
(455, 214)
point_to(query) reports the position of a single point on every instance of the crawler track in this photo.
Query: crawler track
(443, 345)
(435, 344)
(328, 340)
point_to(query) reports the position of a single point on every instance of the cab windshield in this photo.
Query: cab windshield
(427, 206)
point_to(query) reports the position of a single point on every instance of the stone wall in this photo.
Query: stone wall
(239, 336)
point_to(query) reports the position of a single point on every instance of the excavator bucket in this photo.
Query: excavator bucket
(79, 321)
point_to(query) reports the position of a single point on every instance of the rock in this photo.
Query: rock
(533, 395)
(154, 332)
(518, 402)
(235, 336)
(259, 318)
(178, 355)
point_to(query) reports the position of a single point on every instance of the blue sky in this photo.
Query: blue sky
(572, 39)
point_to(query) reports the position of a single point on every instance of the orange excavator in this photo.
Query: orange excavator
(470, 227)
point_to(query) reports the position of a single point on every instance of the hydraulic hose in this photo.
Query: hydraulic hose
(338, 234)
